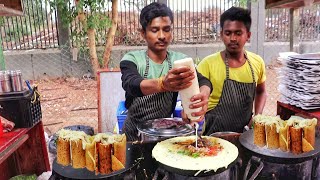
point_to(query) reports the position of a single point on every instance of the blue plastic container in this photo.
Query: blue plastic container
(121, 114)
(177, 111)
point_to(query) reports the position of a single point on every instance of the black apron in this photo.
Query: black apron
(234, 109)
(153, 106)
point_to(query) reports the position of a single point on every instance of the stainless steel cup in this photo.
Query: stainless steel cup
(16, 80)
(5, 81)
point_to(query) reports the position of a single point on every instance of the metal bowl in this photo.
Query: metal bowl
(148, 133)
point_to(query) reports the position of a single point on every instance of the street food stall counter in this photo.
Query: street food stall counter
(23, 151)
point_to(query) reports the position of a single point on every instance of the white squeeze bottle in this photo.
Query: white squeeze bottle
(187, 93)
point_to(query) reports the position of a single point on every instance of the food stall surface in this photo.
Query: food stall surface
(23, 151)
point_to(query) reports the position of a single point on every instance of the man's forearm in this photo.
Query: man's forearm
(206, 90)
(259, 103)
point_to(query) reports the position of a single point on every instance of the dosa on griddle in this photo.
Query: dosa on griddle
(91, 155)
(284, 137)
(116, 164)
(296, 139)
(78, 157)
(309, 134)
(259, 135)
(104, 158)
(119, 148)
(272, 136)
(63, 151)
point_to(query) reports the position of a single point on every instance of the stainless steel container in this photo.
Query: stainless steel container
(5, 81)
(16, 80)
(149, 133)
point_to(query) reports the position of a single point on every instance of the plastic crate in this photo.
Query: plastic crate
(19, 108)
(121, 114)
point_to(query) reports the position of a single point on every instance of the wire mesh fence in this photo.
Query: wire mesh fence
(37, 29)
(194, 22)
(278, 24)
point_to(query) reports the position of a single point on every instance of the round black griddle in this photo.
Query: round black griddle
(276, 155)
(133, 158)
(196, 173)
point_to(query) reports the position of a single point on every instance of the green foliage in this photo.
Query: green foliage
(24, 177)
(17, 33)
(17, 27)
(197, 60)
(95, 18)
(1, 21)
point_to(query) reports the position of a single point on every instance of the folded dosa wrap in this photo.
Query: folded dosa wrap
(116, 164)
(259, 135)
(63, 151)
(272, 136)
(296, 139)
(119, 148)
(309, 133)
(91, 155)
(78, 158)
(284, 136)
(104, 158)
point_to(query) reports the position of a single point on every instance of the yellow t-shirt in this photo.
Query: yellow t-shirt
(214, 68)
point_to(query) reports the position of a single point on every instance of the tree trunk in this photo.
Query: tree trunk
(111, 34)
(93, 51)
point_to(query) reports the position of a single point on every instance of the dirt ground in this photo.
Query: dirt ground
(68, 101)
(71, 101)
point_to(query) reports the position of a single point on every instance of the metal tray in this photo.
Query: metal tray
(312, 56)
(146, 128)
(276, 155)
(133, 158)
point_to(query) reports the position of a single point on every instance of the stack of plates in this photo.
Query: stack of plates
(300, 81)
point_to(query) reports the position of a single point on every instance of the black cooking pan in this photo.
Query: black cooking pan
(133, 158)
(196, 173)
(276, 155)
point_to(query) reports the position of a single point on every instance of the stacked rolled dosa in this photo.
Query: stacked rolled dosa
(102, 153)
(302, 134)
(295, 135)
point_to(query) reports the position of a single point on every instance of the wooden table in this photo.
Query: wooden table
(23, 151)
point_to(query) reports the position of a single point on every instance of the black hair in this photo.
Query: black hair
(236, 14)
(154, 10)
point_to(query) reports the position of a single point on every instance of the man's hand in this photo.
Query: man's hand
(199, 101)
(178, 79)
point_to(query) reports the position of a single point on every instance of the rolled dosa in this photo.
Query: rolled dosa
(309, 130)
(91, 156)
(306, 146)
(104, 158)
(296, 139)
(119, 148)
(272, 136)
(63, 151)
(259, 135)
(78, 157)
(116, 164)
(284, 138)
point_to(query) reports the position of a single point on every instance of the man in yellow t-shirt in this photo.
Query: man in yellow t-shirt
(238, 77)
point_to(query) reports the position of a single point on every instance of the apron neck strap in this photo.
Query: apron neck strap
(146, 72)
(227, 65)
